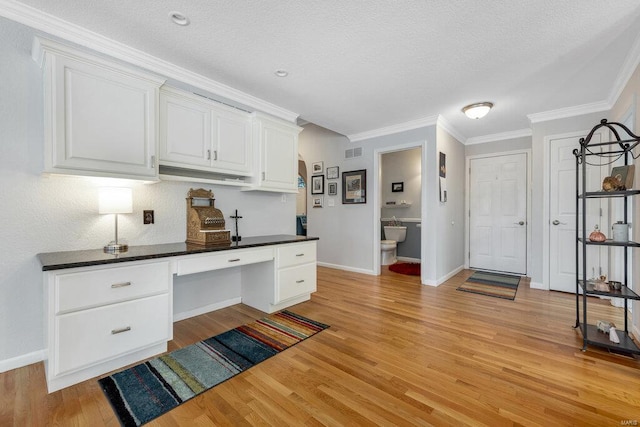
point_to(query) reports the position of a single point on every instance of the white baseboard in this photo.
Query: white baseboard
(408, 259)
(23, 360)
(206, 309)
(537, 285)
(452, 273)
(345, 268)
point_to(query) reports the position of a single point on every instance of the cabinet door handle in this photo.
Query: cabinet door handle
(121, 330)
(234, 260)
(121, 285)
(208, 154)
(300, 281)
(215, 154)
(299, 254)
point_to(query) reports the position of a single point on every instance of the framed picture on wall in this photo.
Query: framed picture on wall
(354, 187)
(332, 188)
(317, 202)
(317, 167)
(332, 172)
(397, 187)
(317, 184)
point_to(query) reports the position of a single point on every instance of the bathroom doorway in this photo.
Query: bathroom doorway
(399, 196)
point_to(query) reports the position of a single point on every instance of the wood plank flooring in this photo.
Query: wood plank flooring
(397, 353)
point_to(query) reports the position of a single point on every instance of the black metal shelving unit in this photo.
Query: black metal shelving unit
(617, 147)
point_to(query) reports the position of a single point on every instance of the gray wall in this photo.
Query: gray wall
(57, 213)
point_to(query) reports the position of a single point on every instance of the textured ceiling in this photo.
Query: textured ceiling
(356, 66)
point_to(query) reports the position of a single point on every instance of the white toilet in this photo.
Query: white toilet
(393, 234)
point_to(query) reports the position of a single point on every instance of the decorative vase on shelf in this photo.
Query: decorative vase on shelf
(597, 235)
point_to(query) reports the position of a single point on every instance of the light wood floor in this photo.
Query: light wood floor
(397, 353)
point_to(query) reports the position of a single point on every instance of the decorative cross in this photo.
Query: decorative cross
(236, 217)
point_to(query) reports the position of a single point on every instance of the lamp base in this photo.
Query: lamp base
(115, 248)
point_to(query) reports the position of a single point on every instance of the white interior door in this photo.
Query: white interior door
(498, 213)
(562, 214)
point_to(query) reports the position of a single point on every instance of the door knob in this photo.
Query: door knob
(519, 223)
(556, 222)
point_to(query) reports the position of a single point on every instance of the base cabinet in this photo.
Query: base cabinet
(125, 312)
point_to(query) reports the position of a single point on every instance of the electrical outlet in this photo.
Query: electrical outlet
(147, 217)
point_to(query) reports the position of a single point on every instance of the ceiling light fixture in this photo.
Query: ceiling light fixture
(281, 73)
(179, 18)
(478, 110)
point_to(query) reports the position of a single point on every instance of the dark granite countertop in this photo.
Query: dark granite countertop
(71, 259)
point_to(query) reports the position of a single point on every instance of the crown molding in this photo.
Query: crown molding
(55, 26)
(448, 127)
(563, 113)
(628, 68)
(520, 133)
(390, 130)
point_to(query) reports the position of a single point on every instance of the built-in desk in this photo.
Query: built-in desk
(106, 311)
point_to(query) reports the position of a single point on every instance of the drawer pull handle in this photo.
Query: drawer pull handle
(121, 285)
(299, 254)
(121, 330)
(299, 281)
(234, 260)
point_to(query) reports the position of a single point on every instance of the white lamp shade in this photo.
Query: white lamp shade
(115, 201)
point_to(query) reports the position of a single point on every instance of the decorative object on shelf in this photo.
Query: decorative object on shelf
(620, 232)
(115, 201)
(615, 285)
(604, 326)
(333, 172)
(317, 167)
(397, 187)
(597, 235)
(354, 187)
(332, 189)
(317, 202)
(624, 174)
(236, 237)
(613, 336)
(317, 184)
(612, 183)
(205, 223)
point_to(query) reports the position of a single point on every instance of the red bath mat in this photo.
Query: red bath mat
(410, 268)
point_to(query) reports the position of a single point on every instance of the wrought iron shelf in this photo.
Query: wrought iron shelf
(624, 292)
(609, 242)
(607, 194)
(595, 337)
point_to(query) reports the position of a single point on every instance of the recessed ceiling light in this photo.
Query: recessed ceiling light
(281, 73)
(478, 110)
(179, 18)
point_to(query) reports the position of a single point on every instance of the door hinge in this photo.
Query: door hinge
(601, 212)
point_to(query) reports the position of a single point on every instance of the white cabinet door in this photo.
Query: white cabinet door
(278, 154)
(100, 117)
(200, 134)
(232, 141)
(185, 130)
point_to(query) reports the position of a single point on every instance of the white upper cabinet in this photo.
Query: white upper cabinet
(203, 135)
(100, 117)
(277, 154)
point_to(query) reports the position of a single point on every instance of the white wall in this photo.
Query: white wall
(58, 213)
(513, 144)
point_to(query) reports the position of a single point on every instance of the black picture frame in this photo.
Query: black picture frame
(332, 188)
(397, 187)
(354, 187)
(317, 184)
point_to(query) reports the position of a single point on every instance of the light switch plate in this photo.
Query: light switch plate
(331, 202)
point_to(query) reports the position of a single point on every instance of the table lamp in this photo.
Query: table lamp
(115, 201)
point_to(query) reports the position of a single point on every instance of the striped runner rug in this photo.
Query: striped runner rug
(144, 392)
(492, 284)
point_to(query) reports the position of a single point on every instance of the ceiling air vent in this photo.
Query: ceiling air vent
(353, 152)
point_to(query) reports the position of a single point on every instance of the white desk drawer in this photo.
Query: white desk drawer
(295, 281)
(296, 254)
(75, 291)
(225, 259)
(87, 337)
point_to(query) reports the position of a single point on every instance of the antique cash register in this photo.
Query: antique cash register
(205, 223)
